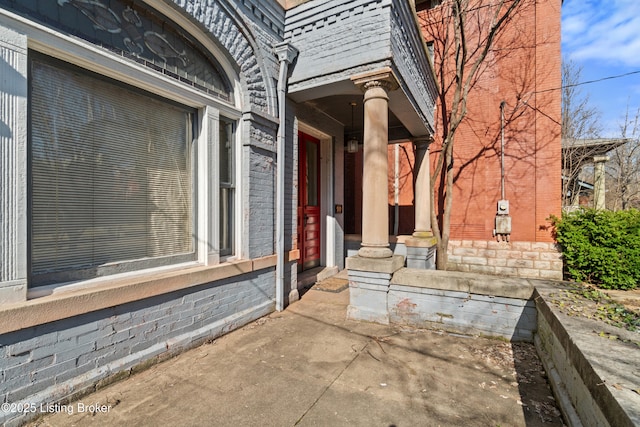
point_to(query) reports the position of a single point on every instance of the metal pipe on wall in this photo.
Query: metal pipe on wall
(286, 54)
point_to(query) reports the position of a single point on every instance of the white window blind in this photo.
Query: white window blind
(111, 176)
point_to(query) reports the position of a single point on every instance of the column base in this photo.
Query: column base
(421, 251)
(294, 296)
(13, 291)
(375, 252)
(369, 281)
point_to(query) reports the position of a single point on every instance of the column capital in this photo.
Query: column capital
(600, 159)
(383, 78)
(422, 142)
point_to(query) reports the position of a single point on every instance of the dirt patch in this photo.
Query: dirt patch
(527, 374)
(539, 405)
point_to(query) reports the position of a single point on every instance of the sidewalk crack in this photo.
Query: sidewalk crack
(331, 384)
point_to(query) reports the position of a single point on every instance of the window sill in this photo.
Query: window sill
(85, 297)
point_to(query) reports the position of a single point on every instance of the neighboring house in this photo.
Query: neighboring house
(168, 167)
(577, 154)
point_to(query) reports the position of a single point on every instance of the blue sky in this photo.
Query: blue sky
(604, 38)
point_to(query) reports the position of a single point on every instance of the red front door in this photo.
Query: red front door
(308, 201)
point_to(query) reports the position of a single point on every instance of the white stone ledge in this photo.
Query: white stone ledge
(110, 293)
(594, 376)
(374, 265)
(464, 282)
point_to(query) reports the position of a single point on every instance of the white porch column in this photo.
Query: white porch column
(422, 189)
(375, 209)
(599, 200)
(421, 245)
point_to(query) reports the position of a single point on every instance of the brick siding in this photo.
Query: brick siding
(55, 361)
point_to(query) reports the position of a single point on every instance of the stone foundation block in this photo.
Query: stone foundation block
(369, 287)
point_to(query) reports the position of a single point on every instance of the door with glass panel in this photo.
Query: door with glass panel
(308, 201)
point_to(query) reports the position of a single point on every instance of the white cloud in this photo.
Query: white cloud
(603, 31)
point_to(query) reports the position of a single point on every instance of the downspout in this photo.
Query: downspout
(502, 105)
(503, 220)
(286, 54)
(396, 189)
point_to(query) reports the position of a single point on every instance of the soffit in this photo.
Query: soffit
(339, 108)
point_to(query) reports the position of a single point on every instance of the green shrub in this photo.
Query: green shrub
(601, 247)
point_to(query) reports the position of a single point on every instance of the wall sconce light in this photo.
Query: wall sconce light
(352, 143)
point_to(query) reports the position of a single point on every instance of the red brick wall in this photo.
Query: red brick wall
(526, 75)
(522, 73)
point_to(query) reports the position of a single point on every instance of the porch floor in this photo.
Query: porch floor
(309, 366)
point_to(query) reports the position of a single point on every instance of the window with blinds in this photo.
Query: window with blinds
(111, 176)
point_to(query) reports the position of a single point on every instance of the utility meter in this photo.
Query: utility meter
(503, 207)
(503, 221)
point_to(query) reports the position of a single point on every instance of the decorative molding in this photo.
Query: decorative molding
(240, 44)
(13, 166)
(285, 52)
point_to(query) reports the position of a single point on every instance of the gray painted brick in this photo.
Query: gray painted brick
(74, 352)
(462, 310)
(150, 349)
(170, 318)
(112, 339)
(77, 330)
(25, 369)
(116, 354)
(90, 337)
(137, 332)
(26, 346)
(499, 300)
(356, 274)
(21, 393)
(53, 370)
(18, 421)
(90, 358)
(15, 360)
(374, 287)
(49, 350)
(181, 324)
(83, 369)
(149, 317)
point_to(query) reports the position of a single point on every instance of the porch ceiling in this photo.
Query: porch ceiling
(338, 107)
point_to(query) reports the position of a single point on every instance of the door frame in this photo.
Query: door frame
(326, 179)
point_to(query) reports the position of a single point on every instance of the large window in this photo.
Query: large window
(111, 176)
(132, 132)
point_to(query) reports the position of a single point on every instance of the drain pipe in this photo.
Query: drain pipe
(503, 220)
(502, 105)
(286, 54)
(396, 189)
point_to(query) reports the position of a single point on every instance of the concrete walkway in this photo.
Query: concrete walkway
(309, 366)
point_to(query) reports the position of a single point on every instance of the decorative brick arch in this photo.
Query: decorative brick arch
(237, 39)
